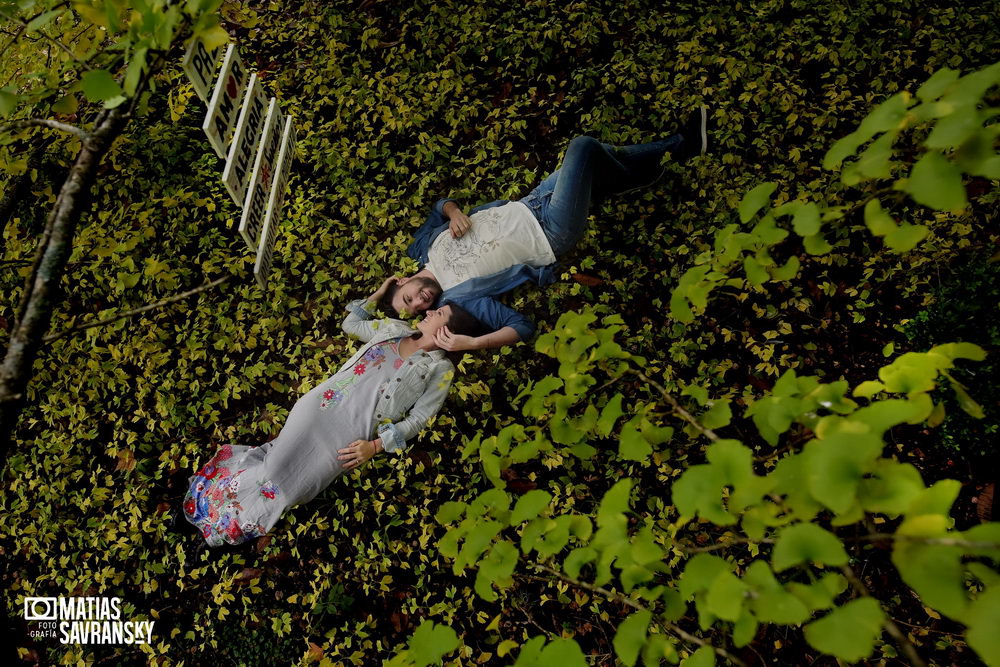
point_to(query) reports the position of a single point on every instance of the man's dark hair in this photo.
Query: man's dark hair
(385, 303)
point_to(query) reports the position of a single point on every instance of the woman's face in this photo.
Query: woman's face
(433, 320)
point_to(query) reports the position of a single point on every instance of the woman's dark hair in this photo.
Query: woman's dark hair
(464, 323)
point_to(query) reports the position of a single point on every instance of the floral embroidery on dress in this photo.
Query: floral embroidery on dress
(210, 502)
(373, 357)
(268, 489)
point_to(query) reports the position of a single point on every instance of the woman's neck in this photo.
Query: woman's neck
(409, 345)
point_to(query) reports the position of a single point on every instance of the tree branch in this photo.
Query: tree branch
(675, 405)
(45, 122)
(625, 600)
(143, 309)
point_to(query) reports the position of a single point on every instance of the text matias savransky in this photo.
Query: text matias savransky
(85, 620)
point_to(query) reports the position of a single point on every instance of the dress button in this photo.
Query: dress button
(398, 380)
(379, 416)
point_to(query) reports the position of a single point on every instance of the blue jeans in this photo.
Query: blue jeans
(591, 170)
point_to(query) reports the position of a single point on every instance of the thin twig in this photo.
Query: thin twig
(47, 38)
(623, 599)
(46, 122)
(904, 643)
(143, 309)
(676, 406)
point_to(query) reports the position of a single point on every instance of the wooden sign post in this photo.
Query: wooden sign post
(255, 205)
(254, 133)
(249, 128)
(224, 106)
(199, 65)
(275, 200)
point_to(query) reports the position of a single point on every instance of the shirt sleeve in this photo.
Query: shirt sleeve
(395, 436)
(496, 315)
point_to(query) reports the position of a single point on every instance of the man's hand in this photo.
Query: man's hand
(459, 224)
(358, 453)
(380, 292)
(451, 342)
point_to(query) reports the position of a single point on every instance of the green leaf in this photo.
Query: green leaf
(496, 569)
(816, 245)
(431, 642)
(725, 596)
(42, 19)
(8, 101)
(983, 620)
(631, 635)
(966, 402)
(906, 237)
(609, 415)
(703, 657)
(788, 271)
(868, 388)
(836, 465)
(935, 572)
(529, 505)
(804, 543)
(698, 491)
(878, 221)
(848, 632)
(805, 222)
(756, 274)
(937, 183)
(450, 511)
(935, 86)
(718, 415)
(99, 86)
(755, 200)
(632, 445)
(577, 558)
(842, 149)
(955, 129)
(700, 572)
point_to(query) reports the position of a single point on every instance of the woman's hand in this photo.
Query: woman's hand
(452, 342)
(358, 452)
(459, 224)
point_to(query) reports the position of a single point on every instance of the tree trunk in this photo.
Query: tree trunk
(42, 288)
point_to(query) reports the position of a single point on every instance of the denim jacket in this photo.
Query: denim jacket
(419, 386)
(478, 295)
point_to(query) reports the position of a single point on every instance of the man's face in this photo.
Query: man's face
(414, 297)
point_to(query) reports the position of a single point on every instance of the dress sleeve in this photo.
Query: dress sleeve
(395, 436)
(359, 322)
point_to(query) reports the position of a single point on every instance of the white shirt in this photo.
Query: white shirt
(500, 237)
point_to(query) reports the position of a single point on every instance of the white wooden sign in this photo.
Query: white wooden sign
(255, 204)
(224, 106)
(262, 267)
(199, 65)
(236, 175)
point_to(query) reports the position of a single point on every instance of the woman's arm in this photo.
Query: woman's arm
(360, 322)
(395, 436)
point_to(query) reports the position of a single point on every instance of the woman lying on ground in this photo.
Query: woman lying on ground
(242, 491)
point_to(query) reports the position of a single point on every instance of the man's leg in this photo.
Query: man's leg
(591, 169)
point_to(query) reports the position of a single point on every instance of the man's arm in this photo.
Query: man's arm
(446, 340)
(508, 326)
